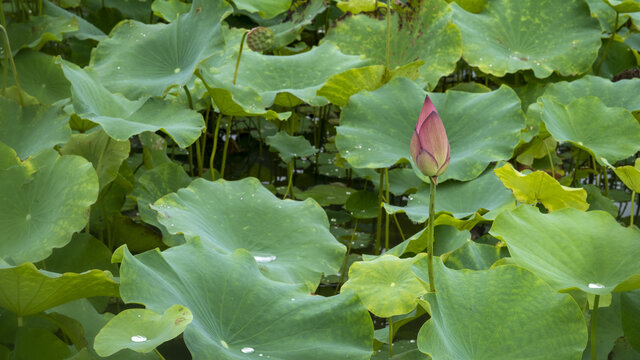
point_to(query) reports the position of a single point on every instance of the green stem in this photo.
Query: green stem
(430, 239)
(631, 215)
(235, 72)
(20, 321)
(159, 355)
(390, 337)
(199, 159)
(9, 55)
(379, 221)
(395, 218)
(343, 268)
(553, 171)
(594, 321)
(609, 42)
(226, 147)
(386, 224)
(215, 146)
(606, 181)
(290, 180)
(388, 43)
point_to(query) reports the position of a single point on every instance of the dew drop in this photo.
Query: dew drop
(264, 259)
(293, 299)
(595, 286)
(224, 344)
(412, 341)
(28, 217)
(393, 284)
(176, 70)
(138, 338)
(260, 355)
(247, 350)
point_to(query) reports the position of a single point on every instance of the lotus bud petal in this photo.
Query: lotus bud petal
(429, 143)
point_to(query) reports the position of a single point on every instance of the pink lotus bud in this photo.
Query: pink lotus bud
(429, 144)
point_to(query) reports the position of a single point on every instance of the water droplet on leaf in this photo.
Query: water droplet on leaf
(247, 350)
(138, 338)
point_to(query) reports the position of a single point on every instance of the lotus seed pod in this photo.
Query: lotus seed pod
(261, 39)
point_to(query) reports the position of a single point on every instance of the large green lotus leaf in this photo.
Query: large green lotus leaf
(86, 30)
(154, 184)
(446, 239)
(605, 14)
(624, 6)
(26, 290)
(304, 14)
(597, 200)
(426, 34)
(42, 203)
(40, 77)
(83, 253)
(289, 147)
(630, 175)
(122, 118)
(289, 239)
(622, 93)
(630, 308)
(141, 330)
(503, 313)
(375, 127)
(265, 8)
(237, 312)
(473, 256)
(508, 36)
(540, 187)
(571, 249)
(38, 31)
(169, 9)
(386, 286)
(460, 199)
(299, 75)
(92, 321)
(105, 154)
(38, 343)
(140, 59)
(619, 58)
(587, 122)
(33, 128)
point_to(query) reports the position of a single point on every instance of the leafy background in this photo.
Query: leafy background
(232, 180)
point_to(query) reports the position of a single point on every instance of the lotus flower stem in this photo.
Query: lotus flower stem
(379, 221)
(387, 71)
(395, 218)
(343, 268)
(386, 223)
(553, 170)
(606, 181)
(631, 215)
(158, 354)
(227, 140)
(235, 72)
(215, 146)
(594, 320)
(290, 180)
(390, 337)
(430, 239)
(9, 55)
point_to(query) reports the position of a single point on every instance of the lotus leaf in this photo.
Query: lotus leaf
(507, 37)
(42, 203)
(85, 31)
(40, 77)
(613, 94)
(460, 199)
(502, 313)
(235, 303)
(307, 71)
(289, 239)
(83, 253)
(473, 256)
(614, 136)
(570, 249)
(427, 35)
(363, 204)
(122, 118)
(375, 127)
(327, 195)
(140, 59)
(540, 187)
(38, 343)
(26, 290)
(169, 9)
(105, 154)
(141, 330)
(267, 9)
(630, 175)
(630, 314)
(154, 184)
(289, 147)
(38, 31)
(386, 285)
(32, 128)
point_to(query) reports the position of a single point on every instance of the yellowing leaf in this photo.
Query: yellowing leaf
(541, 187)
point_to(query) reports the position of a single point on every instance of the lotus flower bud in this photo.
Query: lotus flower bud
(429, 144)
